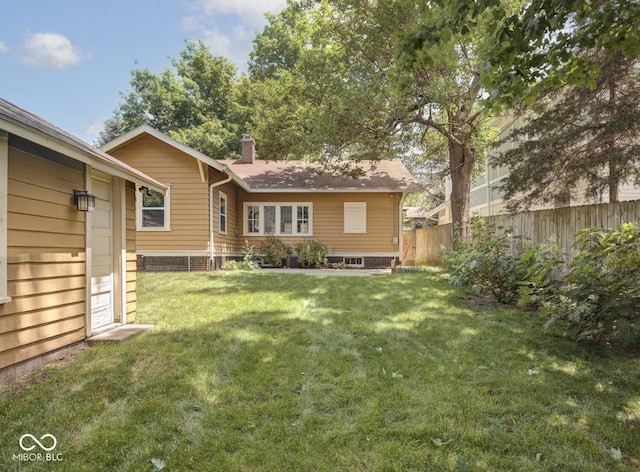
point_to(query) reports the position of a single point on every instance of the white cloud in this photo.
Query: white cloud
(51, 51)
(251, 11)
(233, 42)
(93, 130)
(3, 48)
(235, 47)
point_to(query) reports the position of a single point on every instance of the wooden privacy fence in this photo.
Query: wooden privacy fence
(557, 226)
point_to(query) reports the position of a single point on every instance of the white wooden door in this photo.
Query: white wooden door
(102, 257)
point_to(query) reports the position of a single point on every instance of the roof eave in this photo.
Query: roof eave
(95, 161)
(329, 190)
(146, 129)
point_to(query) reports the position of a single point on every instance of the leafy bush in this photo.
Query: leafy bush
(231, 265)
(484, 262)
(249, 259)
(600, 295)
(541, 264)
(312, 253)
(273, 250)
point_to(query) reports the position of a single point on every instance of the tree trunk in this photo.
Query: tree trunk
(461, 161)
(614, 172)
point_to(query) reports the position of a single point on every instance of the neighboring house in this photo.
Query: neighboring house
(213, 207)
(418, 217)
(65, 274)
(487, 199)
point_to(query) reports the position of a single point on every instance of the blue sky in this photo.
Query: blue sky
(68, 60)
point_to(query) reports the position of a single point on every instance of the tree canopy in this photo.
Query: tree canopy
(340, 81)
(343, 86)
(197, 103)
(536, 45)
(578, 137)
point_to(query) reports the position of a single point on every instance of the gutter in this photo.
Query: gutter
(211, 187)
(400, 227)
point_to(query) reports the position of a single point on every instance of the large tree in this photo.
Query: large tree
(196, 103)
(540, 44)
(570, 67)
(347, 84)
(582, 137)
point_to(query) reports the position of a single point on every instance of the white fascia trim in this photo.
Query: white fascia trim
(363, 254)
(327, 190)
(45, 140)
(167, 140)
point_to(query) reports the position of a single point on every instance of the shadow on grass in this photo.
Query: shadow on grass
(272, 372)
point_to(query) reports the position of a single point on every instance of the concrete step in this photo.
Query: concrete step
(119, 334)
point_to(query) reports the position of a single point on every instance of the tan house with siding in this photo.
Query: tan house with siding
(213, 207)
(65, 274)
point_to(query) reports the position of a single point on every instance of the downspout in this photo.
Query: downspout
(400, 205)
(488, 169)
(211, 187)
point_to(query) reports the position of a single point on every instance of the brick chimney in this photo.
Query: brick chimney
(248, 149)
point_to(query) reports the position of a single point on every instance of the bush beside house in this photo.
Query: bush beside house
(596, 296)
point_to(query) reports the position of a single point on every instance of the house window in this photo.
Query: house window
(4, 183)
(253, 219)
(355, 217)
(302, 222)
(279, 219)
(269, 219)
(222, 207)
(354, 262)
(286, 219)
(154, 211)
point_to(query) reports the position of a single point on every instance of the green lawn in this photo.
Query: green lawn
(278, 372)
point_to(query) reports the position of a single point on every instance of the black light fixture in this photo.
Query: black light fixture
(84, 201)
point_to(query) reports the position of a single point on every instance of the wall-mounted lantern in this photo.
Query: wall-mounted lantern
(84, 201)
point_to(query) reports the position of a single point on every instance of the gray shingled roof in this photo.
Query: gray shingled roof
(296, 175)
(18, 115)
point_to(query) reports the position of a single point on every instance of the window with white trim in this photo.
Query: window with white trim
(280, 219)
(153, 212)
(222, 212)
(355, 217)
(4, 184)
(354, 262)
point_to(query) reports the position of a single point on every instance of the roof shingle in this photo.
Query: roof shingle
(297, 175)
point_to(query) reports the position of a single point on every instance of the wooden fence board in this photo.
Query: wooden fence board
(557, 226)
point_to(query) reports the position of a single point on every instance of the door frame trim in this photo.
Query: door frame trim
(118, 201)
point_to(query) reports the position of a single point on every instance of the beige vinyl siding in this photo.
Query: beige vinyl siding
(229, 243)
(46, 258)
(328, 220)
(131, 270)
(189, 196)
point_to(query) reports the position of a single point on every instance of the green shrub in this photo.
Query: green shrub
(231, 265)
(249, 253)
(600, 295)
(312, 253)
(273, 250)
(541, 264)
(483, 261)
(249, 259)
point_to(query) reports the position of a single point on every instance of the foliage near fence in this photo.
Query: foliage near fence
(556, 226)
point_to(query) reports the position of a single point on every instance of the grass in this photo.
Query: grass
(276, 372)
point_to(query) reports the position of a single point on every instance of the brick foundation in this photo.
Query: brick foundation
(172, 263)
(369, 261)
(201, 263)
(14, 372)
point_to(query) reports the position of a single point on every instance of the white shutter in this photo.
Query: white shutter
(355, 217)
